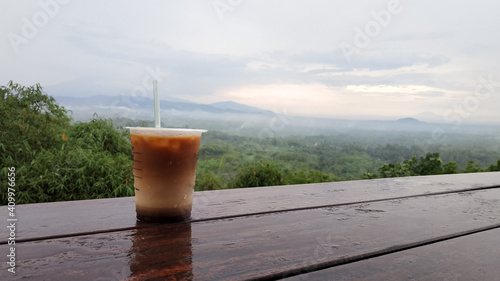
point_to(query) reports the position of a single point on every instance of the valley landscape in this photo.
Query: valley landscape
(316, 149)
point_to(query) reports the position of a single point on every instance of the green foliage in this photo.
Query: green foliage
(300, 158)
(394, 152)
(56, 161)
(258, 173)
(472, 168)
(208, 181)
(394, 170)
(450, 168)
(30, 121)
(99, 135)
(428, 165)
(369, 176)
(304, 176)
(494, 168)
(76, 174)
(214, 149)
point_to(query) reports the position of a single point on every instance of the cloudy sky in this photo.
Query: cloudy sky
(354, 59)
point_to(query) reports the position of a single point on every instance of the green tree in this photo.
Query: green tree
(30, 121)
(258, 173)
(99, 135)
(208, 181)
(369, 176)
(79, 169)
(394, 170)
(450, 168)
(428, 165)
(56, 161)
(472, 168)
(493, 168)
(303, 176)
(213, 150)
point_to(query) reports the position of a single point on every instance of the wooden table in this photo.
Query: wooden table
(417, 228)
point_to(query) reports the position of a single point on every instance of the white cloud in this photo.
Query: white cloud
(392, 89)
(264, 53)
(353, 101)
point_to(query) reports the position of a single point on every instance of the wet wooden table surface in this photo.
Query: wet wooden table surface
(418, 228)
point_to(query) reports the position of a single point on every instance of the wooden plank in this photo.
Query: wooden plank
(471, 257)
(255, 246)
(87, 216)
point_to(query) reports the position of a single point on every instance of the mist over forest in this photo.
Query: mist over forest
(59, 156)
(325, 149)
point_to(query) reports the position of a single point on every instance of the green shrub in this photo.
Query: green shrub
(259, 173)
(450, 168)
(303, 176)
(56, 161)
(30, 121)
(208, 181)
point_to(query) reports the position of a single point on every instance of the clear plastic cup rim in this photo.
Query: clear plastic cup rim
(165, 132)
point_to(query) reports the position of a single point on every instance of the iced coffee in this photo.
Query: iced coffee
(164, 163)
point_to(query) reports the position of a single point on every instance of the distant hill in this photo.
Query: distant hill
(117, 103)
(429, 117)
(223, 116)
(236, 118)
(410, 120)
(231, 105)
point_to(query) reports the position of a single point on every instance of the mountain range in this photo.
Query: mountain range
(117, 103)
(229, 116)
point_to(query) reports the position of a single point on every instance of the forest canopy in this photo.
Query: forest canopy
(56, 159)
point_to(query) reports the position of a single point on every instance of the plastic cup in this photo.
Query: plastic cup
(164, 163)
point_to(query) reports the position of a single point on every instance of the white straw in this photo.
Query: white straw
(157, 104)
